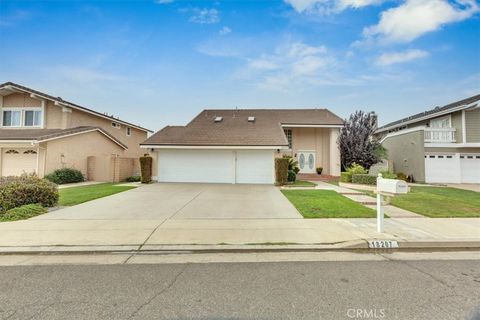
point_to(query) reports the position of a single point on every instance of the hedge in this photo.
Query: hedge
(26, 189)
(364, 179)
(345, 177)
(281, 171)
(65, 175)
(146, 168)
(23, 212)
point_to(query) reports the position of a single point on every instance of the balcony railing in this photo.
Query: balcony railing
(440, 135)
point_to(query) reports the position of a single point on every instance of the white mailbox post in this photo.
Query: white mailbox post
(387, 187)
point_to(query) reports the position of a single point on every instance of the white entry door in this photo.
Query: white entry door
(306, 161)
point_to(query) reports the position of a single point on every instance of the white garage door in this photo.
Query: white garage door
(15, 162)
(215, 166)
(441, 168)
(255, 166)
(470, 166)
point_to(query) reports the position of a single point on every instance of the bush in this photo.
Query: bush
(345, 177)
(26, 189)
(281, 171)
(65, 175)
(364, 179)
(402, 176)
(146, 168)
(388, 175)
(292, 164)
(133, 179)
(319, 170)
(292, 176)
(23, 212)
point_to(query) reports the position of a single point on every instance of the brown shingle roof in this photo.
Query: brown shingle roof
(40, 135)
(60, 100)
(235, 130)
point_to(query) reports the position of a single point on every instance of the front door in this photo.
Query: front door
(306, 161)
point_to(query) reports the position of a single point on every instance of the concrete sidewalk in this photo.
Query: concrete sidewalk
(103, 235)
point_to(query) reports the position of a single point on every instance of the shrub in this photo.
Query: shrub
(402, 176)
(345, 177)
(65, 175)
(146, 168)
(26, 189)
(319, 170)
(364, 179)
(356, 169)
(133, 179)
(292, 164)
(388, 175)
(23, 212)
(292, 176)
(281, 171)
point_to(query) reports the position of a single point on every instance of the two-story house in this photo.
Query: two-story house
(40, 133)
(441, 145)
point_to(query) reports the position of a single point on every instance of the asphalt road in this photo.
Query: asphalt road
(273, 290)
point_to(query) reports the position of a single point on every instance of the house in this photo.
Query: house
(239, 146)
(441, 145)
(40, 133)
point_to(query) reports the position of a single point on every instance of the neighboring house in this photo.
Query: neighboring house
(40, 133)
(441, 145)
(239, 146)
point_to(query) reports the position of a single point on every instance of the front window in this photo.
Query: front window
(11, 118)
(288, 134)
(32, 118)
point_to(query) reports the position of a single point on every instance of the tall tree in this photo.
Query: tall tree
(355, 140)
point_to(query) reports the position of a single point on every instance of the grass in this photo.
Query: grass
(326, 204)
(76, 195)
(440, 202)
(301, 183)
(23, 212)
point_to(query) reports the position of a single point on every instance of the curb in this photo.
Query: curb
(357, 245)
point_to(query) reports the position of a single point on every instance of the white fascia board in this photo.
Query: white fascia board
(213, 147)
(285, 125)
(430, 116)
(453, 145)
(405, 131)
(18, 141)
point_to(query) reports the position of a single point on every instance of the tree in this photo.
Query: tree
(356, 143)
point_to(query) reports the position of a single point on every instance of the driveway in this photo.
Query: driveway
(180, 201)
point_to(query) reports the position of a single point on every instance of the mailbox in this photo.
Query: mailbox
(391, 186)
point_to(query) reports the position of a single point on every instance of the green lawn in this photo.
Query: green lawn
(76, 195)
(326, 204)
(440, 202)
(301, 183)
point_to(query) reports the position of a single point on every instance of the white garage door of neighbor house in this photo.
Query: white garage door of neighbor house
(15, 162)
(470, 166)
(215, 166)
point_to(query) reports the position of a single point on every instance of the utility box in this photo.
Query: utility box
(391, 186)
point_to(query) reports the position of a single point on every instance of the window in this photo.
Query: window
(129, 131)
(11, 118)
(288, 134)
(115, 125)
(32, 118)
(443, 122)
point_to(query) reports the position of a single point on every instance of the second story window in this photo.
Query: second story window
(33, 118)
(288, 134)
(129, 131)
(11, 118)
(116, 125)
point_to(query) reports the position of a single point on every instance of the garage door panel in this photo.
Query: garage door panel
(255, 166)
(16, 162)
(213, 166)
(441, 168)
(470, 166)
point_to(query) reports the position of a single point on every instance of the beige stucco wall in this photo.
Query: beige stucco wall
(76, 149)
(58, 117)
(407, 152)
(472, 123)
(321, 140)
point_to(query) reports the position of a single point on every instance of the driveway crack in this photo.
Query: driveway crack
(170, 285)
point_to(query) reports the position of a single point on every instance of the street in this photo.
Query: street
(398, 289)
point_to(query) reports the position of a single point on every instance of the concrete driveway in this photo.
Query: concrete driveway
(180, 201)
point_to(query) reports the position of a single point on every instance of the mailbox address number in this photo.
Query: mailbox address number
(383, 244)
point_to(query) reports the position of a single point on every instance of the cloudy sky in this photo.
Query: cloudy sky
(160, 62)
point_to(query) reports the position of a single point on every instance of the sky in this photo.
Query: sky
(160, 62)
